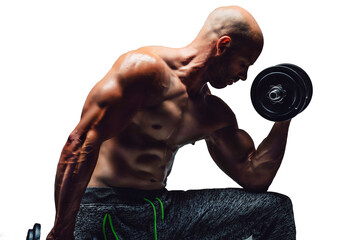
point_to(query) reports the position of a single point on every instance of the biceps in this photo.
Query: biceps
(107, 120)
(230, 145)
(232, 150)
(114, 118)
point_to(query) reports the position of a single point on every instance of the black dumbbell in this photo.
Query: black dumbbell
(281, 92)
(34, 233)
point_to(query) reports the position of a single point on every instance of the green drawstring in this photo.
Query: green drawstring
(107, 216)
(162, 214)
(111, 225)
(162, 208)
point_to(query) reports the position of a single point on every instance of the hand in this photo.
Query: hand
(61, 236)
(50, 236)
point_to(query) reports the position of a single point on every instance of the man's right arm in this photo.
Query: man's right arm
(109, 109)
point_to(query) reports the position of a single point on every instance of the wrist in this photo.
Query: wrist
(63, 231)
(60, 235)
(284, 122)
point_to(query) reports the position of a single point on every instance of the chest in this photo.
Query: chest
(178, 119)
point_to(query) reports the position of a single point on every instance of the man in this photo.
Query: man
(112, 172)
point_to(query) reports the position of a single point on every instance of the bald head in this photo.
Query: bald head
(229, 43)
(232, 21)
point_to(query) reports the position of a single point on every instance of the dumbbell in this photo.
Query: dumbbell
(34, 233)
(280, 92)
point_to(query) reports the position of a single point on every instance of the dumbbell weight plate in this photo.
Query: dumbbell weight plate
(30, 235)
(34, 233)
(37, 230)
(306, 79)
(291, 96)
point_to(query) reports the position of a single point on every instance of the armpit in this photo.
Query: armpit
(220, 111)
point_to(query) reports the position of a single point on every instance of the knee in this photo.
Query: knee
(282, 203)
(282, 199)
(277, 202)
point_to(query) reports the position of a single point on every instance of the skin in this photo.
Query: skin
(155, 100)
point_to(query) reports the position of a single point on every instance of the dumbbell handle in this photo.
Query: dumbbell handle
(276, 94)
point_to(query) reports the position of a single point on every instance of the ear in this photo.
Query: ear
(222, 44)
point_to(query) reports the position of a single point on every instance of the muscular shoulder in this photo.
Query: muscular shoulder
(138, 76)
(142, 67)
(138, 72)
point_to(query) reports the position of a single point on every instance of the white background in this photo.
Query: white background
(53, 52)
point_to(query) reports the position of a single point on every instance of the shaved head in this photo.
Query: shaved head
(230, 41)
(232, 21)
(227, 45)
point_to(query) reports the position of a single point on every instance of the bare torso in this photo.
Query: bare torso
(142, 155)
(155, 100)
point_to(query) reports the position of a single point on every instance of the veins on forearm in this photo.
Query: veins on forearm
(270, 152)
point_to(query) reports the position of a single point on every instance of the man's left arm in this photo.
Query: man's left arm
(234, 152)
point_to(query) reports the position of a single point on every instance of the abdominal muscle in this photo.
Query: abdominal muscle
(133, 161)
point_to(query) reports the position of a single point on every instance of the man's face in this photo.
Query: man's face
(232, 66)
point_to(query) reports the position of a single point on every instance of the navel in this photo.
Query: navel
(156, 126)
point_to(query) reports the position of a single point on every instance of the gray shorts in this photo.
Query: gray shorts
(231, 213)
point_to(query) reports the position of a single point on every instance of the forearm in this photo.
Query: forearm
(74, 170)
(69, 193)
(254, 169)
(267, 158)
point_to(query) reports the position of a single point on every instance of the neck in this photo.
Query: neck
(191, 65)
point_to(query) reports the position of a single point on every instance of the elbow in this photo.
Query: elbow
(260, 174)
(79, 147)
(78, 140)
(256, 179)
(256, 187)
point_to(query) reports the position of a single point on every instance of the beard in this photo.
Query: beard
(217, 83)
(217, 74)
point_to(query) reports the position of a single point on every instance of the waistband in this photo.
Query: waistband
(112, 195)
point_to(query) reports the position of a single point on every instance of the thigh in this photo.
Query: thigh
(230, 213)
(126, 221)
(196, 214)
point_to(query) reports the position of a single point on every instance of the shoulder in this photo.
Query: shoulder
(137, 76)
(141, 66)
(142, 72)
